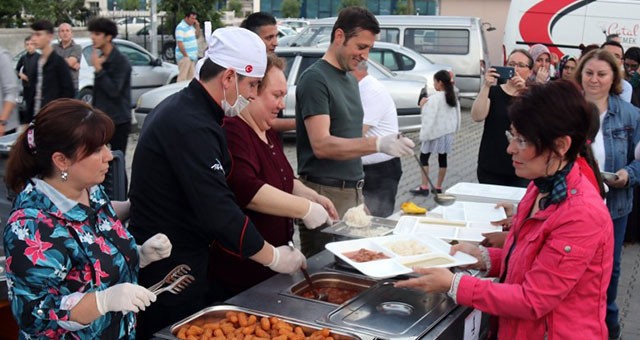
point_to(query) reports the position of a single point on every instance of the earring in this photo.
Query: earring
(64, 175)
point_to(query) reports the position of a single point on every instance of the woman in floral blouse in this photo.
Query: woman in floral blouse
(71, 265)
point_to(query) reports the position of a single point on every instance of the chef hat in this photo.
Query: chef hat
(235, 48)
(538, 49)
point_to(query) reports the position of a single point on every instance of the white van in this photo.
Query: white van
(455, 41)
(564, 25)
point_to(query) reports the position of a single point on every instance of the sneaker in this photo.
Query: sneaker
(615, 332)
(439, 190)
(419, 190)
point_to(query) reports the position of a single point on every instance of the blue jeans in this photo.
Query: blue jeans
(619, 228)
(381, 186)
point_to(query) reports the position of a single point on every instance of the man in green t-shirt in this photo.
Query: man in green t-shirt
(329, 121)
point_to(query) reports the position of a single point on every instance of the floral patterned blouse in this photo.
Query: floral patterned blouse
(57, 250)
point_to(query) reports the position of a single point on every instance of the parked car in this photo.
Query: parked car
(166, 41)
(130, 25)
(296, 24)
(404, 90)
(284, 30)
(404, 61)
(147, 72)
(455, 41)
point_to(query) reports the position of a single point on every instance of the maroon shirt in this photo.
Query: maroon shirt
(255, 163)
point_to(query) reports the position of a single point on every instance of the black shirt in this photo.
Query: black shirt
(179, 188)
(112, 87)
(493, 157)
(56, 80)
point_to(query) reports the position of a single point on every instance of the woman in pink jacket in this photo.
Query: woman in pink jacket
(555, 266)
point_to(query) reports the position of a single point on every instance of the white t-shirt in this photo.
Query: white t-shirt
(598, 145)
(627, 90)
(379, 113)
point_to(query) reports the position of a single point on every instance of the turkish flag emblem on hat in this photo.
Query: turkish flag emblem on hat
(248, 68)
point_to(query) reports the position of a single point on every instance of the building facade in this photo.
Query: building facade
(315, 9)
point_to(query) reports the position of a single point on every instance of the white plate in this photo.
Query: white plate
(396, 264)
(410, 225)
(471, 212)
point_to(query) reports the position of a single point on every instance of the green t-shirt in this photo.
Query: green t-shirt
(324, 89)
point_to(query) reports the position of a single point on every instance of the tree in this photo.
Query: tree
(9, 12)
(130, 5)
(290, 8)
(236, 7)
(401, 7)
(206, 9)
(349, 3)
(56, 11)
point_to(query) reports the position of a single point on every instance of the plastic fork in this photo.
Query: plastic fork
(176, 286)
(174, 274)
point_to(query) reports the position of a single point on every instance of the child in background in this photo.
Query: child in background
(440, 120)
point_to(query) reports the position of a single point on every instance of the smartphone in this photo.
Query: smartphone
(505, 72)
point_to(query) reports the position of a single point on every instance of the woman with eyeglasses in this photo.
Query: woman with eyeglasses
(72, 267)
(490, 107)
(556, 262)
(599, 74)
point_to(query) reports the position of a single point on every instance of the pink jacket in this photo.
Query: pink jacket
(558, 270)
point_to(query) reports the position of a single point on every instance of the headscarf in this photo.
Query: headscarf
(563, 63)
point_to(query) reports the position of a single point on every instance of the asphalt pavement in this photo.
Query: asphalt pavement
(462, 168)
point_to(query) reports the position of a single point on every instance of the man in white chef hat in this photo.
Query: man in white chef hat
(178, 178)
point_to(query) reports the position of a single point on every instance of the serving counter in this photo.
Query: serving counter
(378, 311)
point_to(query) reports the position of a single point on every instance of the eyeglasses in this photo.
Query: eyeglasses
(521, 142)
(518, 65)
(631, 66)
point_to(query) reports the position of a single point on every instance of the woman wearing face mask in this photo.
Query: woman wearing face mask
(599, 75)
(490, 107)
(555, 265)
(541, 72)
(264, 183)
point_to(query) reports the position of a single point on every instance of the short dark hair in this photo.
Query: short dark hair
(256, 20)
(190, 13)
(548, 111)
(85, 129)
(27, 38)
(42, 25)
(210, 70)
(612, 43)
(612, 36)
(103, 25)
(354, 19)
(633, 53)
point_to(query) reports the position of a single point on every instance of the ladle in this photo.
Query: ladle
(317, 295)
(439, 198)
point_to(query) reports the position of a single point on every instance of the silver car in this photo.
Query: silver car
(405, 92)
(147, 72)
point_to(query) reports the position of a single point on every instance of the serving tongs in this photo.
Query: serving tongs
(172, 276)
(176, 286)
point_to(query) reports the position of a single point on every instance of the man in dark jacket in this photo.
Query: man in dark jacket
(54, 79)
(27, 69)
(112, 82)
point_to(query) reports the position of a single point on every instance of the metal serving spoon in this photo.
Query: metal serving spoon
(439, 198)
(317, 295)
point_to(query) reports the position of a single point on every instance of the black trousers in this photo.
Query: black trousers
(121, 137)
(381, 186)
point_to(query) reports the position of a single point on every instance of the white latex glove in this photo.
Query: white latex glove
(156, 248)
(287, 260)
(124, 297)
(395, 145)
(316, 216)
